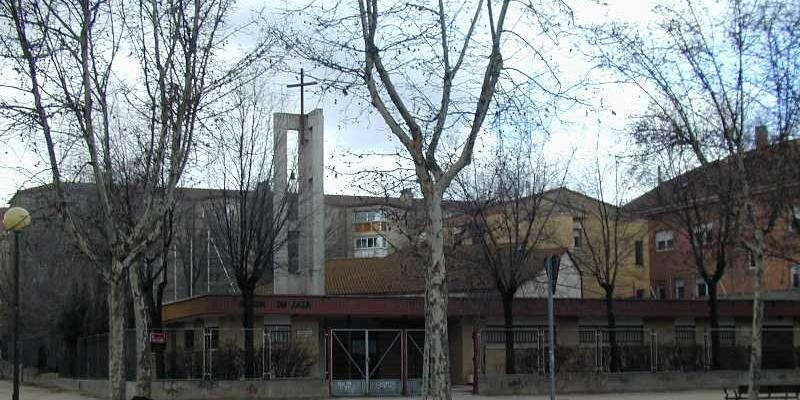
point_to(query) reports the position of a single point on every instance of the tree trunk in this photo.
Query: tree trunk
(154, 301)
(141, 315)
(754, 374)
(247, 324)
(116, 338)
(436, 368)
(612, 332)
(157, 326)
(713, 315)
(508, 317)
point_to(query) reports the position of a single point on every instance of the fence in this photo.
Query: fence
(38, 352)
(208, 353)
(588, 349)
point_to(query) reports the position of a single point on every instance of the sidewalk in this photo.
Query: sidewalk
(688, 395)
(38, 393)
(463, 393)
(459, 393)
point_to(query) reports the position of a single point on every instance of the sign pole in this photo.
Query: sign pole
(550, 265)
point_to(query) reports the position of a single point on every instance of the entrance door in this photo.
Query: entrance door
(778, 348)
(414, 345)
(367, 362)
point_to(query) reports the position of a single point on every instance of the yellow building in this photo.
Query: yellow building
(607, 246)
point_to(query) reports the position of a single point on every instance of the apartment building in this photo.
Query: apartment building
(701, 212)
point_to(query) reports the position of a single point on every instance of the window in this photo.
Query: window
(188, 339)
(661, 290)
(361, 217)
(371, 242)
(370, 227)
(626, 335)
(577, 232)
(522, 335)
(751, 261)
(680, 289)
(702, 288)
(685, 335)
(796, 277)
(277, 335)
(293, 207)
(704, 234)
(588, 335)
(794, 219)
(211, 335)
(664, 240)
(293, 250)
(639, 252)
(727, 335)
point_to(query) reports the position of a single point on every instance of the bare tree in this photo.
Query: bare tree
(703, 206)
(710, 77)
(508, 217)
(153, 280)
(54, 278)
(606, 243)
(245, 223)
(432, 83)
(73, 92)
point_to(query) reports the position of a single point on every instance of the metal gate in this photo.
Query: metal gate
(366, 362)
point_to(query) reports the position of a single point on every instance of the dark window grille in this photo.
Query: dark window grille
(685, 335)
(727, 336)
(212, 338)
(633, 336)
(279, 335)
(188, 339)
(498, 336)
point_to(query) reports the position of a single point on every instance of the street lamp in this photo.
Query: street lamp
(16, 219)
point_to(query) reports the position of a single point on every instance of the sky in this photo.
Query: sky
(578, 136)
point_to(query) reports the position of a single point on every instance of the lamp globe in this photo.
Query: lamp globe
(16, 219)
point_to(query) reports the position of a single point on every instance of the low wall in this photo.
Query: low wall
(202, 390)
(589, 382)
(6, 371)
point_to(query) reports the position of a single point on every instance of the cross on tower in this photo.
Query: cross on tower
(301, 85)
(301, 119)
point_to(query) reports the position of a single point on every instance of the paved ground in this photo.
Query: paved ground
(36, 393)
(682, 395)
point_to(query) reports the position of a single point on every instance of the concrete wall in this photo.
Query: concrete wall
(306, 333)
(494, 385)
(198, 389)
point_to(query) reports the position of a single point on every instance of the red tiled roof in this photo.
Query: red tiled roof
(402, 272)
(764, 169)
(397, 274)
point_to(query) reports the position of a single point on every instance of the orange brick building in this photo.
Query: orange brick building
(688, 207)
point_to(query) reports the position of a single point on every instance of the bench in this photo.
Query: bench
(789, 391)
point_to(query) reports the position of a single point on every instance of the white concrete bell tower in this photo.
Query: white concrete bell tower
(300, 261)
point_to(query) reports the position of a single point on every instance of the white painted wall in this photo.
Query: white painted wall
(568, 285)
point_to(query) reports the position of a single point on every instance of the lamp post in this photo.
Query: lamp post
(16, 219)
